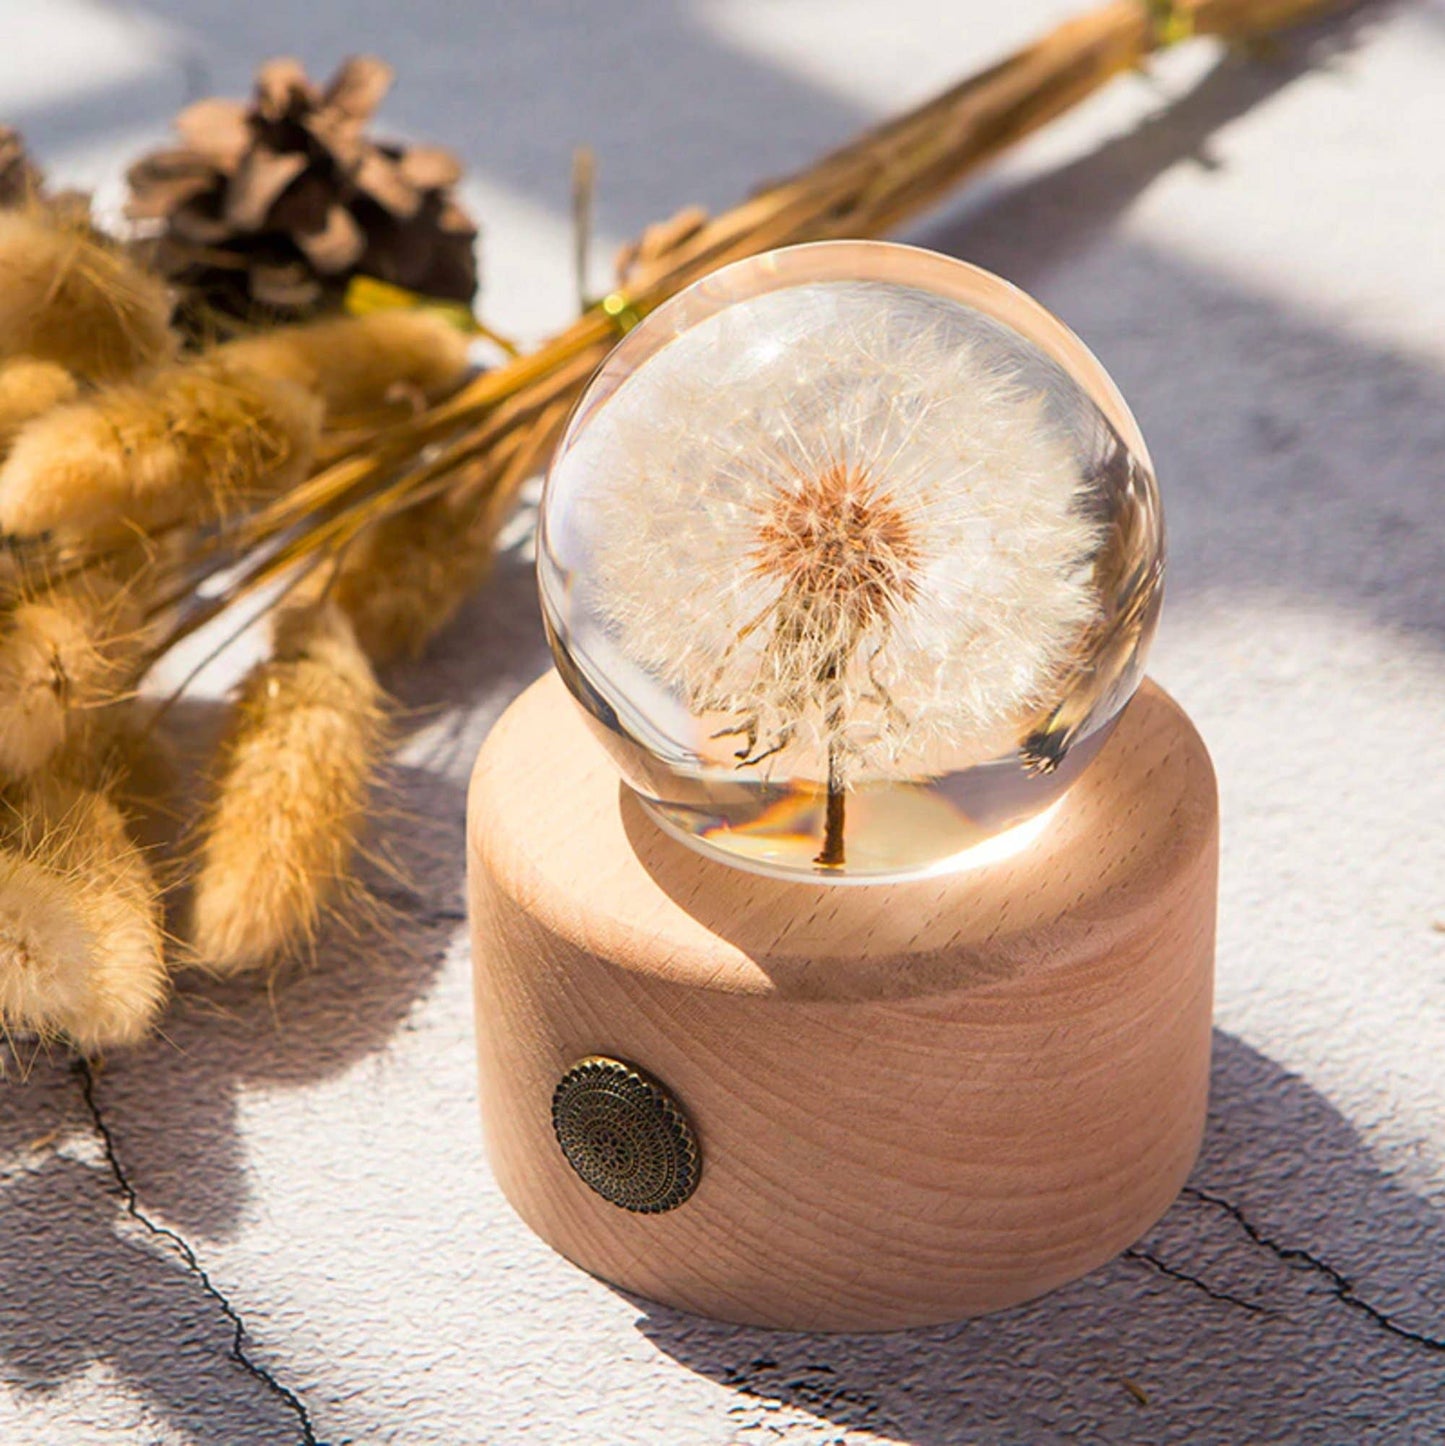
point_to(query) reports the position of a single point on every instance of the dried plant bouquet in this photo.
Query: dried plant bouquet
(350, 471)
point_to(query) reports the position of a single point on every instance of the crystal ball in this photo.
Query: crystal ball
(851, 554)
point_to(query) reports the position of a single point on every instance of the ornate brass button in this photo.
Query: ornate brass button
(625, 1135)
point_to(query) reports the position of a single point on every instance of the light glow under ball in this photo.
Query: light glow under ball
(852, 554)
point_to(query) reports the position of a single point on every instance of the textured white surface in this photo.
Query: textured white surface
(1254, 250)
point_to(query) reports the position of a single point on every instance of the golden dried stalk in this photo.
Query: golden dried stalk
(82, 949)
(70, 297)
(290, 792)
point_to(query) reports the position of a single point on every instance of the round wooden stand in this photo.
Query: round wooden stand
(912, 1102)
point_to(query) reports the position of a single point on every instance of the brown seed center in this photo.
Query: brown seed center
(839, 547)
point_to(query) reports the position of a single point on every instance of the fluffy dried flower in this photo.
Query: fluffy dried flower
(65, 652)
(843, 532)
(404, 578)
(82, 949)
(190, 441)
(29, 388)
(69, 296)
(290, 793)
(355, 363)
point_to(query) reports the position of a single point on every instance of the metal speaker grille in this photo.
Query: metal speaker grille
(625, 1135)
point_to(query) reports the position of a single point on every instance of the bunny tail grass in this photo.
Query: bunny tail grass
(192, 442)
(29, 388)
(290, 793)
(66, 653)
(403, 579)
(355, 362)
(68, 296)
(82, 950)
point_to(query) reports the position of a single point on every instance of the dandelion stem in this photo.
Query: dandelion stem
(832, 855)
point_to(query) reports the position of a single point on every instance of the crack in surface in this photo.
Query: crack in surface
(1147, 1257)
(131, 1200)
(1341, 1286)
(802, 1388)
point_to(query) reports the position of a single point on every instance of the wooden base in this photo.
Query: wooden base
(914, 1102)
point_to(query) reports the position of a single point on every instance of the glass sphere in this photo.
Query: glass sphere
(852, 554)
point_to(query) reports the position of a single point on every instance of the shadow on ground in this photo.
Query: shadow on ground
(1293, 1288)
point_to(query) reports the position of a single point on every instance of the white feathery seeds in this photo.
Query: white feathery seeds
(831, 521)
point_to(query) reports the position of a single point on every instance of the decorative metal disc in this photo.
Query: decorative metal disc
(625, 1135)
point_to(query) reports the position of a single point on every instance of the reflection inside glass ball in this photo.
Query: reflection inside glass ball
(852, 555)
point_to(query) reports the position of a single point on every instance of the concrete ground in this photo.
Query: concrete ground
(275, 1224)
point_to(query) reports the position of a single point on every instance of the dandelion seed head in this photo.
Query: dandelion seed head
(842, 519)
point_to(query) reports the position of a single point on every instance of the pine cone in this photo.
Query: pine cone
(270, 209)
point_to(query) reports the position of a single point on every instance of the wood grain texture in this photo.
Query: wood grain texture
(914, 1101)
